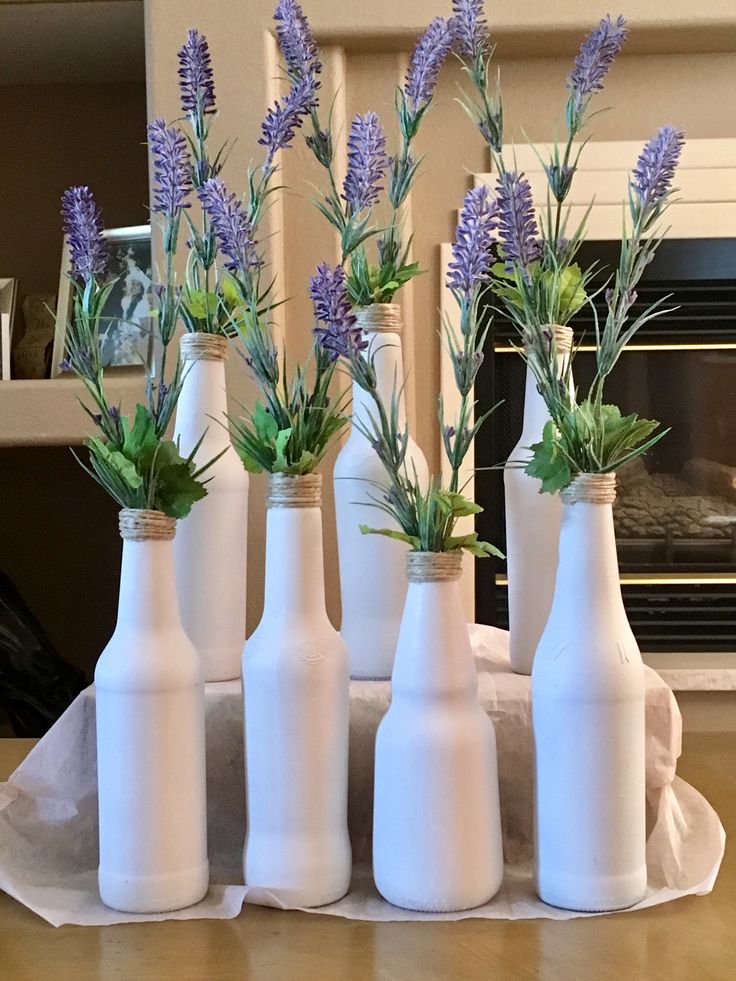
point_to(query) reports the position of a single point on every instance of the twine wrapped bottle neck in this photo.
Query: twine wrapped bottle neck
(198, 346)
(590, 488)
(562, 336)
(379, 318)
(434, 566)
(145, 525)
(288, 491)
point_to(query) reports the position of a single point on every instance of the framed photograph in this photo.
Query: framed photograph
(8, 293)
(125, 327)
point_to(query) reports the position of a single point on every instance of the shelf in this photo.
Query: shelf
(46, 412)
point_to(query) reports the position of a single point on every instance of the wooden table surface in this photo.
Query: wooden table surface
(692, 939)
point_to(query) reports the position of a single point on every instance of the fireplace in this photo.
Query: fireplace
(675, 514)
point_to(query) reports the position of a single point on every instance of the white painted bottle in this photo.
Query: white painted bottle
(588, 695)
(372, 578)
(210, 549)
(149, 697)
(296, 682)
(437, 843)
(532, 528)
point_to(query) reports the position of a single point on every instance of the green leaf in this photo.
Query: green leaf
(548, 463)
(571, 291)
(481, 550)
(458, 505)
(115, 461)
(265, 425)
(280, 443)
(177, 490)
(248, 462)
(200, 303)
(140, 443)
(398, 536)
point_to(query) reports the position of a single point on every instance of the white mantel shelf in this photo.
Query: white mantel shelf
(46, 412)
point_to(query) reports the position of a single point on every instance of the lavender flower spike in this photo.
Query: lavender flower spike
(517, 227)
(470, 28)
(231, 226)
(366, 163)
(596, 55)
(172, 169)
(296, 40)
(83, 228)
(471, 250)
(424, 68)
(196, 80)
(652, 177)
(337, 332)
(282, 121)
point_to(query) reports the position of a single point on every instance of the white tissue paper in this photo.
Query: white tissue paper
(48, 809)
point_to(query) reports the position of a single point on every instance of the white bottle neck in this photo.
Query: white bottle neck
(295, 578)
(588, 564)
(433, 656)
(536, 413)
(148, 594)
(202, 407)
(389, 365)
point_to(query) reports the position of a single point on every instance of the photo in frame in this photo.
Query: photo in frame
(125, 327)
(8, 295)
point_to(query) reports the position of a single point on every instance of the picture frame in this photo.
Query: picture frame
(8, 296)
(127, 340)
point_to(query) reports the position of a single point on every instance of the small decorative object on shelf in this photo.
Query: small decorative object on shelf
(210, 550)
(587, 679)
(437, 828)
(295, 666)
(372, 580)
(552, 290)
(148, 682)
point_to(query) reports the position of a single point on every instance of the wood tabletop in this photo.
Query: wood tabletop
(692, 939)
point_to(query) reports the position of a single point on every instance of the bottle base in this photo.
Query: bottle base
(618, 894)
(434, 905)
(295, 897)
(355, 676)
(154, 893)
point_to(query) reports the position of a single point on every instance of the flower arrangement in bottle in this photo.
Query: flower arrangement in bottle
(132, 459)
(435, 727)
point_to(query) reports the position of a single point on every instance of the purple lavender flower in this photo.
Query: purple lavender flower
(83, 228)
(471, 250)
(424, 68)
(517, 227)
(172, 169)
(196, 80)
(655, 169)
(286, 116)
(234, 233)
(296, 40)
(337, 332)
(470, 28)
(366, 162)
(596, 55)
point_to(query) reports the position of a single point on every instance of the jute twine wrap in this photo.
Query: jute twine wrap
(143, 525)
(379, 318)
(285, 491)
(593, 488)
(563, 336)
(434, 566)
(197, 346)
